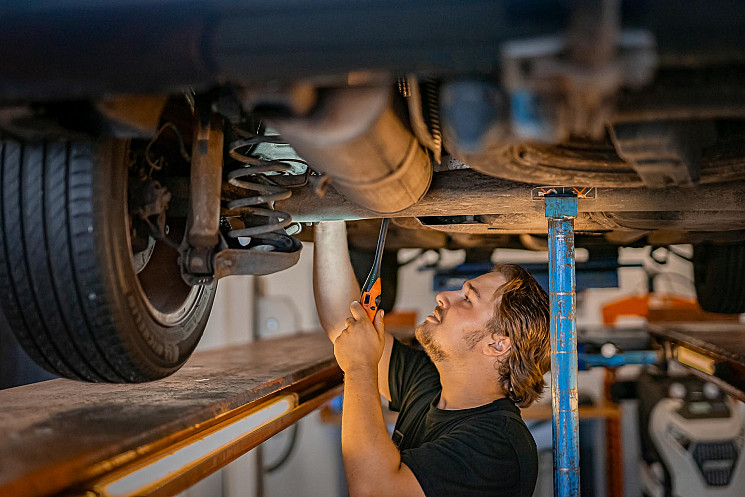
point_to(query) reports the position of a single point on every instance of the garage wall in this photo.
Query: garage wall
(231, 321)
(285, 306)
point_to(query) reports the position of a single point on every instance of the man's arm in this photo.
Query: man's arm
(371, 461)
(335, 286)
(334, 283)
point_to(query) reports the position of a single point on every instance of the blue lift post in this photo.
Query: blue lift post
(560, 213)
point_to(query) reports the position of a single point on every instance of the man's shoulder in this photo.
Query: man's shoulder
(496, 421)
(487, 445)
(499, 424)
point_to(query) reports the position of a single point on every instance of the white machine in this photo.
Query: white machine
(697, 436)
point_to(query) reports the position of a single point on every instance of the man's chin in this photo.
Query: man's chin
(424, 334)
(423, 331)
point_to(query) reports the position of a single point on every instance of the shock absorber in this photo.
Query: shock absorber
(258, 180)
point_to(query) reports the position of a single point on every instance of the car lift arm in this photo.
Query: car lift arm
(162, 437)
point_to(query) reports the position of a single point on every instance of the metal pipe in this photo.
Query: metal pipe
(355, 136)
(560, 213)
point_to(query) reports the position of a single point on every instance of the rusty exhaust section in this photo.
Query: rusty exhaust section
(356, 138)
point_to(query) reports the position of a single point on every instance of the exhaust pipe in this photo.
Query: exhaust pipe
(355, 136)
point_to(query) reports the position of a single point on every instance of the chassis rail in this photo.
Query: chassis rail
(467, 192)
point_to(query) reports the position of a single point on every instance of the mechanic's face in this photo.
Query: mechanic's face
(459, 321)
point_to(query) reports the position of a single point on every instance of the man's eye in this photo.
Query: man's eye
(465, 297)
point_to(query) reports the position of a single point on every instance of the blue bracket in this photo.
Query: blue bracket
(560, 213)
(586, 361)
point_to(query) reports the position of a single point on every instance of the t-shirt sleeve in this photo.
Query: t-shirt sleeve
(407, 369)
(473, 460)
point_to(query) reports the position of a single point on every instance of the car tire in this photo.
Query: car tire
(719, 273)
(68, 285)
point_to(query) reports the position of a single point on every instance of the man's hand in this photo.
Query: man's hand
(371, 461)
(359, 347)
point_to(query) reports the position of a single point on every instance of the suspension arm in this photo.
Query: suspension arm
(206, 182)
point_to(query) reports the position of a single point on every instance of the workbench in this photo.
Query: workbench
(714, 350)
(116, 439)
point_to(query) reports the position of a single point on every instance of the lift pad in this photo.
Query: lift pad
(714, 350)
(160, 438)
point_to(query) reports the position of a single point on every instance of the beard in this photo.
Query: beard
(424, 333)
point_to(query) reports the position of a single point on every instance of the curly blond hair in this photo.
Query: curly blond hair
(522, 315)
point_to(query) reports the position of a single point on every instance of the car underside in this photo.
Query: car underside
(152, 148)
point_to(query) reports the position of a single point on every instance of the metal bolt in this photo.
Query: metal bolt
(293, 229)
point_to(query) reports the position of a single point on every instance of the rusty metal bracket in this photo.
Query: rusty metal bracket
(206, 182)
(148, 203)
(197, 267)
(230, 262)
(205, 185)
(201, 266)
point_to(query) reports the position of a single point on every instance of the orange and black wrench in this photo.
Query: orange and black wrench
(370, 298)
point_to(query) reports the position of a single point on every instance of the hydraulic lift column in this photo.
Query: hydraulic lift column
(560, 213)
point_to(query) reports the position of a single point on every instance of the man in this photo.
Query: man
(459, 431)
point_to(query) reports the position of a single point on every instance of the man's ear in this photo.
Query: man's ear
(498, 345)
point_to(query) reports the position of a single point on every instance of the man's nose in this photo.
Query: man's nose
(442, 299)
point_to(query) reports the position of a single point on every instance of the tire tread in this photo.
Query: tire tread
(66, 287)
(720, 277)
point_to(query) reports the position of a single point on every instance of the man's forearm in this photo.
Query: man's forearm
(334, 283)
(371, 461)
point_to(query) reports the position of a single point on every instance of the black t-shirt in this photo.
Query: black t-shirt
(483, 451)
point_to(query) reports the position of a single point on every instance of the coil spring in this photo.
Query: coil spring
(423, 102)
(265, 192)
(432, 95)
